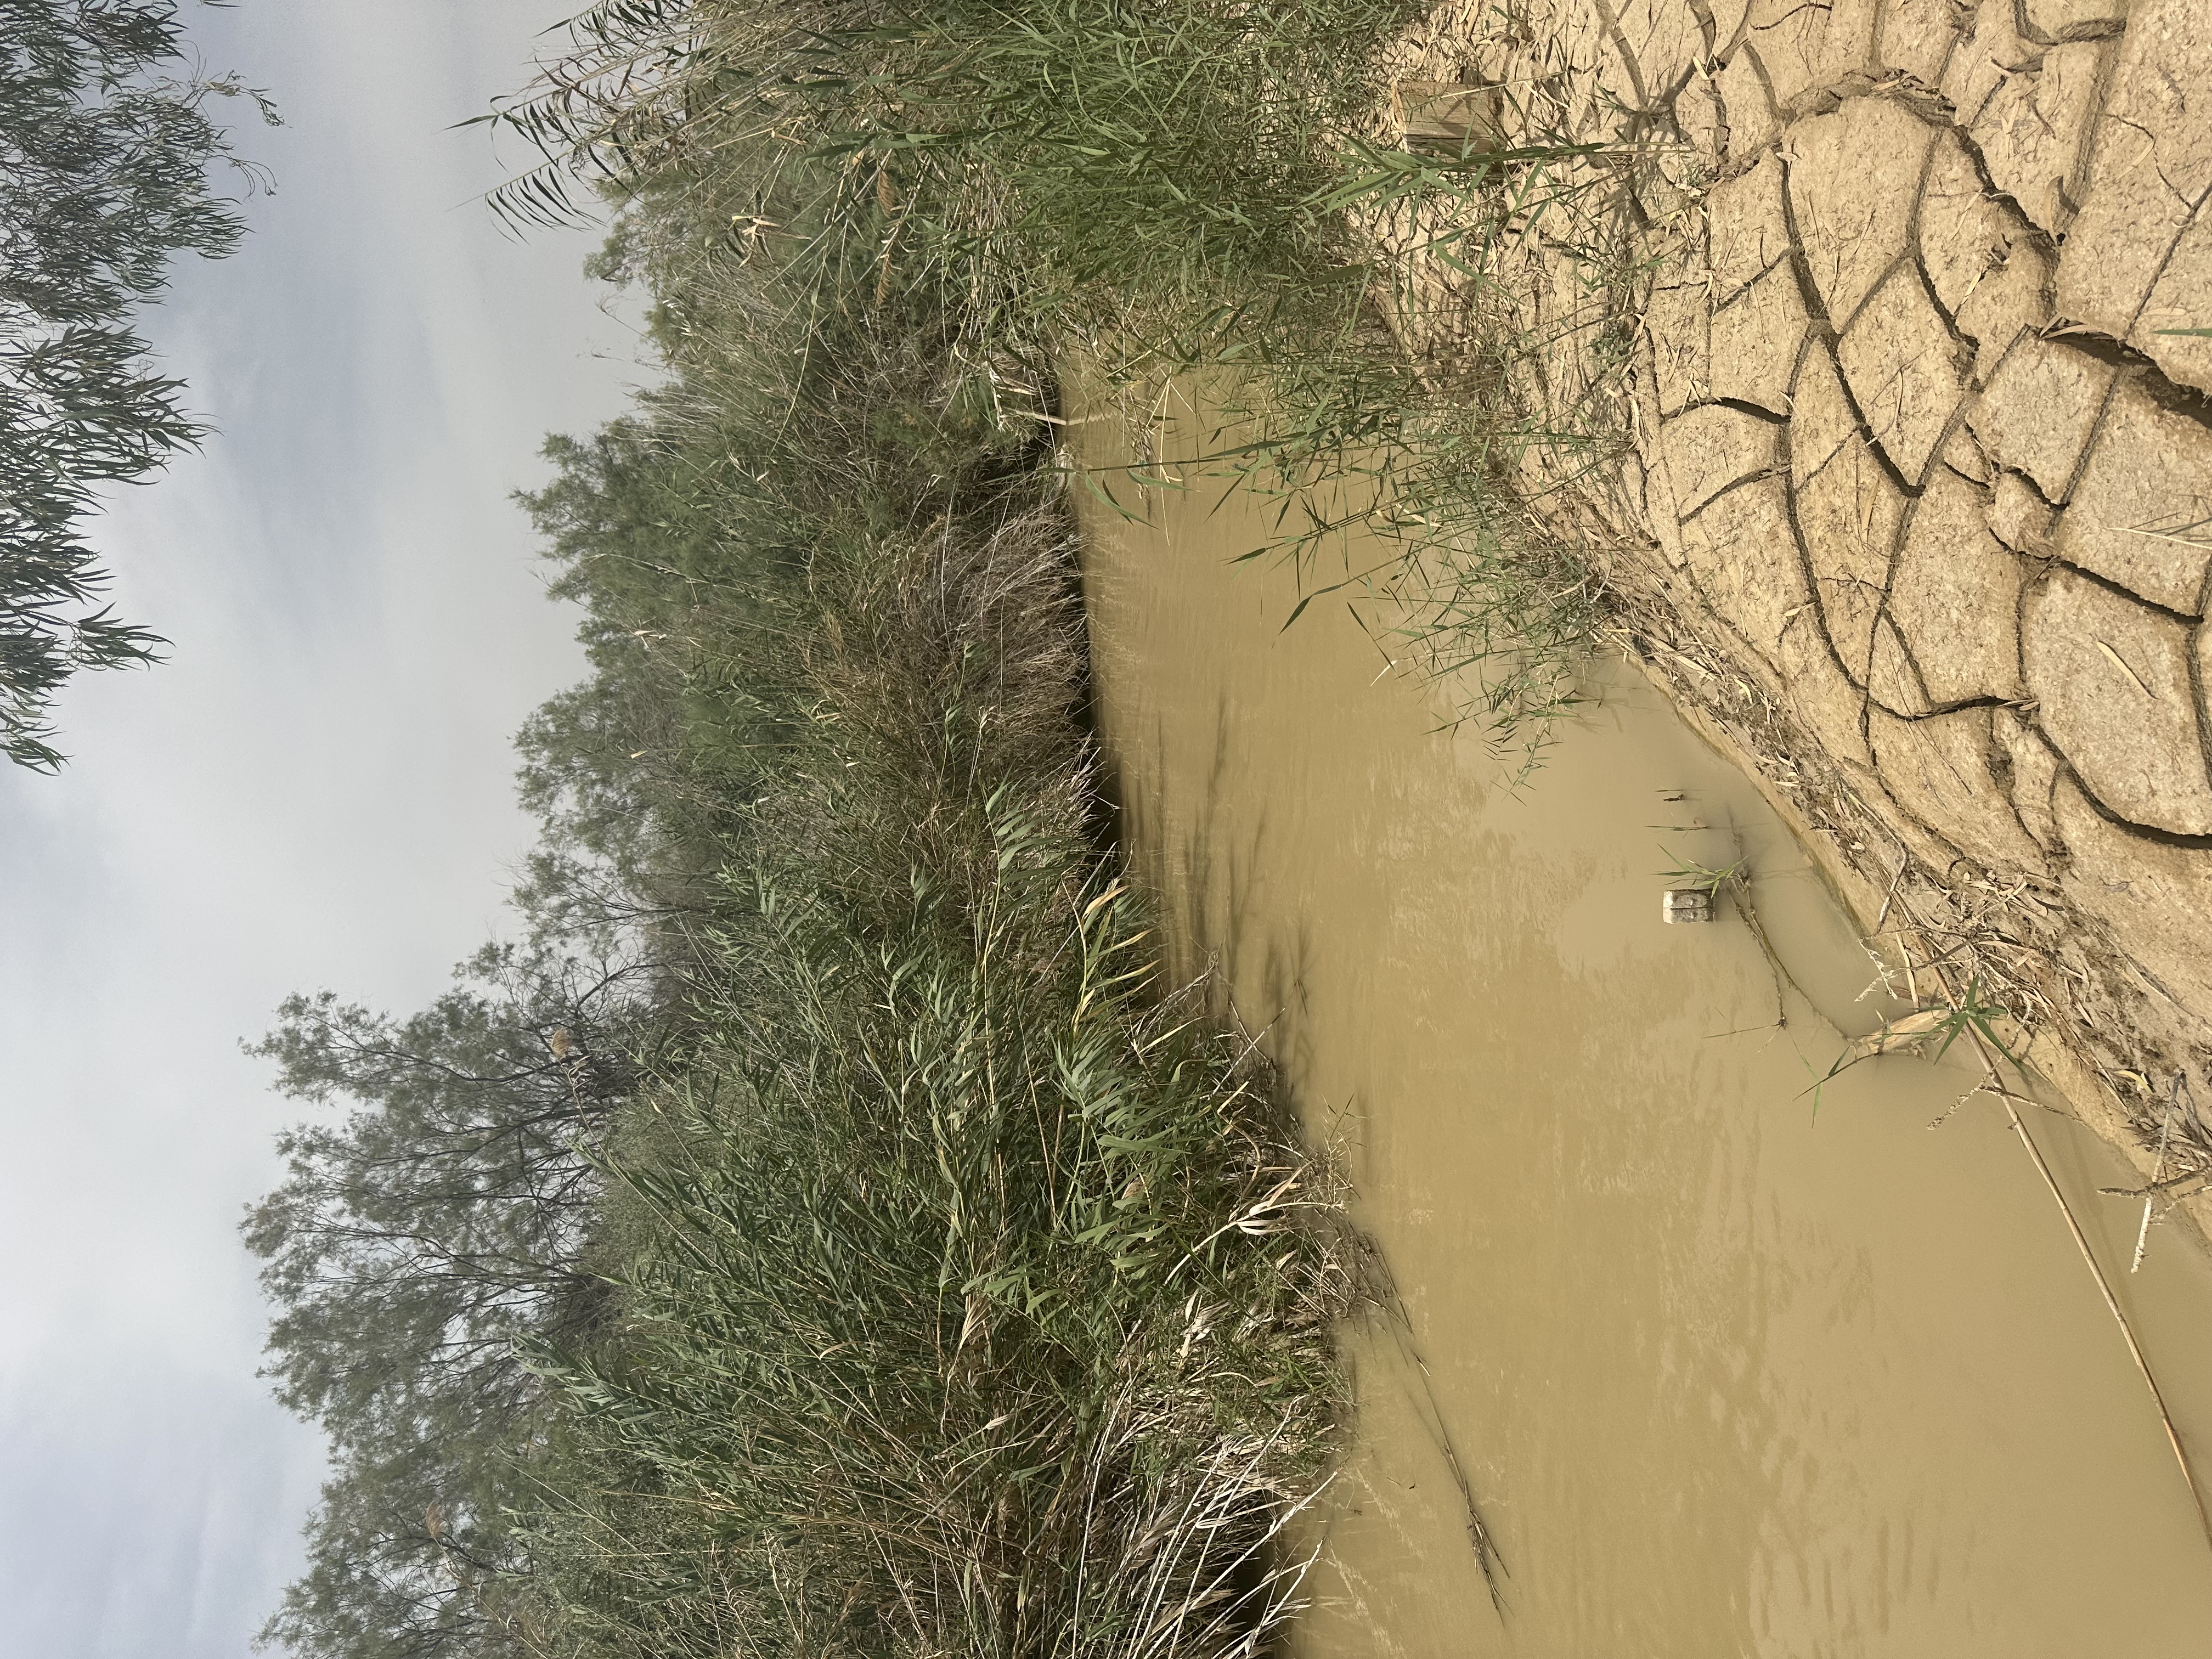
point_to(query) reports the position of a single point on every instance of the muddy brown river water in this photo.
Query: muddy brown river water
(1726, 1376)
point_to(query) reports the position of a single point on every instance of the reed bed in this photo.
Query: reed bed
(951, 1285)
(976, 1298)
(1147, 190)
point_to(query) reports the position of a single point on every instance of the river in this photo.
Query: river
(1730, 1366)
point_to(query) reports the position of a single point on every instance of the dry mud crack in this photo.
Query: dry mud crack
(1912, 499)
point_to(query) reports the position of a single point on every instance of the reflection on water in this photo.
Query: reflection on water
(1727, 1375)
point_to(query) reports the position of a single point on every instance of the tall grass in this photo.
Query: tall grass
(964, 1293)
(977, 1299)
(1154, 189)
(964, 1290)
(976, 1296)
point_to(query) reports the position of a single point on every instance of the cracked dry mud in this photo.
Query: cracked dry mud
(1914, 504)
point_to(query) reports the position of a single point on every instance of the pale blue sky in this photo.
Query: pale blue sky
(316, 791)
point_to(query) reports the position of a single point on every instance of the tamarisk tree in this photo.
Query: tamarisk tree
(431, 1228)
(108, 165)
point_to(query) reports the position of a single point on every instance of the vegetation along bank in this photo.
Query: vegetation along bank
(822, 1231)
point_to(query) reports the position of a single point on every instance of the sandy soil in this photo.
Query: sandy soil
(1911, 503)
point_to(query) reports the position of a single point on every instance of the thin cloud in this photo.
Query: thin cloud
(316, 790)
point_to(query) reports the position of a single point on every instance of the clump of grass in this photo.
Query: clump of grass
(1735, 879)
(1732, 877)
(1970, 1015)
(973, 1310)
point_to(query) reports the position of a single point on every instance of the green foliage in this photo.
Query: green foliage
(410, 1242)
(415, 1243)
(1969, 1015)
(1732, 877)
(105, 167)
(407, 1539)
(1100, 147)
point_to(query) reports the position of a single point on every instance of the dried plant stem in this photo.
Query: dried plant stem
(2005, 1097)
(2150, 1199)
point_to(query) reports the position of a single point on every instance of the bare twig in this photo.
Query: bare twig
(2104, 1285)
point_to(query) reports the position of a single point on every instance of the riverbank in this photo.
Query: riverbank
(1906, 469)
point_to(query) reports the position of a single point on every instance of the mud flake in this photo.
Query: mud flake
(1704, 120)
(1964, 232)
(1906, 369)
(1847, 511)
(1893, 680)
(2038, 411)
(1992, 53)
(1676, 323)
(1664, 39)
(1965, 457)
(1848, 610)
(1822, 415)
(1707, 449)
(2142, 513)
(2200, 646)
(2154, 895)
(2113, 680)
(2181, 298)
(2033, 766)
(1851, 218)
(2033, 128)
(1728, 23)
(1745, 231)
(2019, 516)
(1938, 769)
(1914, 37)
(1755, 339)
(1822, 697)
(2011, 300)
(1954, 595)
(1985, 261)
(1741, 555)
(2051, 19)
(1752, 122)
(1806, 45)
(2149, 168)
